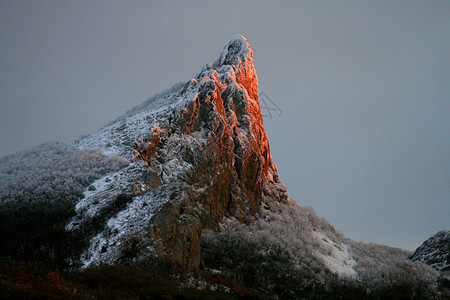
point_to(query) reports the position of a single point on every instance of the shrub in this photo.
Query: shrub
(17, 281)
(145, 149)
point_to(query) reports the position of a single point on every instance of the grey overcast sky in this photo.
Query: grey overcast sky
(363, 87)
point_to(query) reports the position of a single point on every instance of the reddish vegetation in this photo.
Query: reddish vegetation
(19, 280)
(144, 150)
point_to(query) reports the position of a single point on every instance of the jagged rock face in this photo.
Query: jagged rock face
(435, 251)
(211, 144)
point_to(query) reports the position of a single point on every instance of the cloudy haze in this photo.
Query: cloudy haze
(363, 88)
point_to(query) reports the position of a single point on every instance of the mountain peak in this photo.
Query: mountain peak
(237, 50)
(236, 63)
(206, 158)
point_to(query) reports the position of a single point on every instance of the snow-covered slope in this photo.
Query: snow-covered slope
(118, 137)
(435, 251)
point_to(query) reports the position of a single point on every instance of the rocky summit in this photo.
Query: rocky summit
(200, 154)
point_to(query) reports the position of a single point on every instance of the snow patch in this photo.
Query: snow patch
(335, 256)
(119, 137)
(135, 220)
(102, 194)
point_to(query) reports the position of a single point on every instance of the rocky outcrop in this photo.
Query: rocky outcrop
(211, 142)
(232, 168)
(435, 251)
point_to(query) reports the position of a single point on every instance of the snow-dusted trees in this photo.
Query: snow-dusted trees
(278, 253)
(388, 273)
(38, 190)
(275, 253)
(50, 172)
